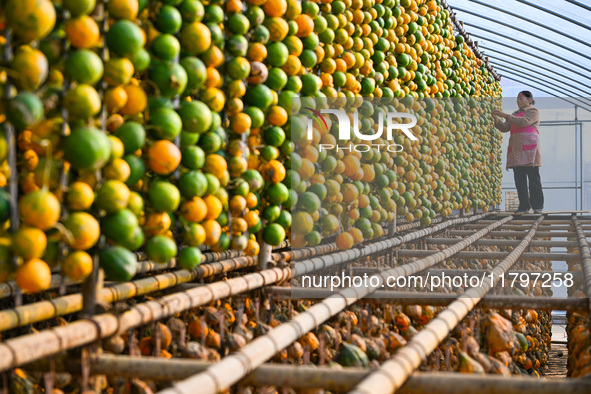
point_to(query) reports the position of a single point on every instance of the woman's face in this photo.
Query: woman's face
(522, 101)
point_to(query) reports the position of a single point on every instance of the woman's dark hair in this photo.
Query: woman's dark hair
(528, 95)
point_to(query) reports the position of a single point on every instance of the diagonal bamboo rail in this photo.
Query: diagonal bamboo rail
(393, 373)
(25, 349)
(543, 227)
(460, 272)
(512, 233)
(303, 267)
(495, 255)
(254, 354)
(444, 299)
(334, 380)
(504, 242)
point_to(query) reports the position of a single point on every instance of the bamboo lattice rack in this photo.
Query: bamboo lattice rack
(248, 364)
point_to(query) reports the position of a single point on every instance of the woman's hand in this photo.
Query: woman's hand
(499, 113)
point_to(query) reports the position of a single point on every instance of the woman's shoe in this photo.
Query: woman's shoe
(523, 211)
(538, 211)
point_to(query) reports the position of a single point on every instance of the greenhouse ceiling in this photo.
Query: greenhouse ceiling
(540, 43)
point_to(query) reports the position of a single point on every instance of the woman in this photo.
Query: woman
(523, 154)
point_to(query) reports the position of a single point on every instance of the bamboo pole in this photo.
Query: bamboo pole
(254, 354)
(331, 379)
(443, 299)
(495, 255)
(547, 220)
(561, 234)
(303, 267)
(505, 242)
(543, 227)
(304, 253)
(585, 254)
(392, 374)
(471, 272)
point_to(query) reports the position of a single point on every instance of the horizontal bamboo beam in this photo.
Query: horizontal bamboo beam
(557, 234)
(442, 299)
(392, 374)
(494, 255)
(505, 242)
(254, 354)
(331, 379)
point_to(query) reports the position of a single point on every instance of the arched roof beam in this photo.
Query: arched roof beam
(579, 4)
(524, 81)
(584, 94)
(574, 95)
(507, 12)
(523, 43)
(536, 84)
(519, 30)
(487, 48)
(556, 14)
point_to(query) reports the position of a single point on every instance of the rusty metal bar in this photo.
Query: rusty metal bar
(254, 354)
(442, 299)
(495, 255)
(505, 242)
(392, 374)
(331, 379)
